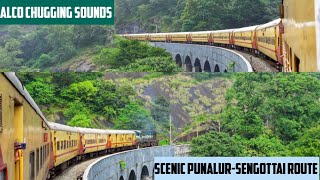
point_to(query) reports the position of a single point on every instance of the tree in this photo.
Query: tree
(160, 110)
(42, 91)
(82, 91)
(266, 146)
(9, 55)
(130, 55)
(287, 104)
(215, 144)
(80, 120)
(75, 108)
(309, 144)
(133, 116)
(152, 64)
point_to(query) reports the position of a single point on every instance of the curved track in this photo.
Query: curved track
(75, 171)
(258, 63)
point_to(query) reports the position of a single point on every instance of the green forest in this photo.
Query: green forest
(267, 115)
(54, 48)
(136, 16)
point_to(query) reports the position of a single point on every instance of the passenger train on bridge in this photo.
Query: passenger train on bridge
(290, 41)
(35, 149)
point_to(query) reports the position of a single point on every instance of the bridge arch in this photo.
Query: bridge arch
(188, 64)
(145, 173)
(216, 68)
(207, 67)
(132, 175)
(121, 178)
(197, 65)
(178, 60)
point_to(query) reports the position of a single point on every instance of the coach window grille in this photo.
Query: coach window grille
(42, 153)
(31, 163)
(37, 161)
(2, 175)
(47, 151)
(41, 156)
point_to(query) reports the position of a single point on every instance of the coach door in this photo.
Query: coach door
(109, 142)
(81, 144)
(18, 145)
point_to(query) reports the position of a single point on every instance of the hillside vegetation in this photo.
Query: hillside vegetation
(267, 115)
(133, 16)
(77, 48)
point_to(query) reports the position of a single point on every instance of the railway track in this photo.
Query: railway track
(259, 64)
(75, 171)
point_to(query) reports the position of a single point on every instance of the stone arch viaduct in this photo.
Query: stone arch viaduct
(203, 58)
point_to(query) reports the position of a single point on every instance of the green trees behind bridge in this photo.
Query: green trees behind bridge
(192, 15)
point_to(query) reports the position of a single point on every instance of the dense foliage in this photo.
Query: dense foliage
(135, 56)
(47, 47)
(271, 115)
(190, 15)
(88, 98)
(40, 47)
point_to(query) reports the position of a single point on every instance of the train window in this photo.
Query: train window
(31, 164)
(290, 58)
(41, 157)
(64, 144)
(47, 152)
(43, 154)
(2, 175)
(0, 112)
(58, 145)
(296, 64)
(37, 162)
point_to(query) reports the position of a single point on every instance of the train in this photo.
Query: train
(33, 148)
(289, 41)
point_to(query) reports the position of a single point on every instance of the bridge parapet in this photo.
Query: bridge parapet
(132, 165)
(203, 58)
